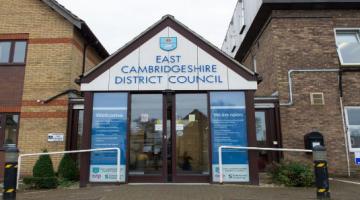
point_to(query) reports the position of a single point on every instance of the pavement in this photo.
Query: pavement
(339, 191)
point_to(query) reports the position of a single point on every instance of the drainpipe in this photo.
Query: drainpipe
(291, 102)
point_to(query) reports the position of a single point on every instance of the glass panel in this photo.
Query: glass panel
(229, 128)
(11, 128)
(5, 52)
(346, 37)
(192, 134)
(260, 126)
(19, 54)
(353, 116)
(349, 46)
(146, 147)
(109, 130)
(354, 137)
(80, 126)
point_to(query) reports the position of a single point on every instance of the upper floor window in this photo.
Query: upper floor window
(353, 126)
(12, 52)
(348, 46)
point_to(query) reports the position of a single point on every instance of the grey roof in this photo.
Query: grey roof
(80, 25)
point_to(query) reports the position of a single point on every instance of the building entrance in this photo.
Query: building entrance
(169, 138)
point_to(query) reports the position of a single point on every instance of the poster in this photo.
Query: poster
(228, 128)
(109, 128)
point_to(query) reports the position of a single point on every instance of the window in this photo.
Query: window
(348, 46)
(9, 127)
(260, 126)
(353, 127)
(12, 52)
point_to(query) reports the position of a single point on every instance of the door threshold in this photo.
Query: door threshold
(168, 183)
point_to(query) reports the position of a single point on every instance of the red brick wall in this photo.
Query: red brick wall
(11, 82)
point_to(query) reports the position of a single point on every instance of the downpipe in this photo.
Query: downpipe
(291, 103)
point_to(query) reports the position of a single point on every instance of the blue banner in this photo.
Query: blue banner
(229, 128)
(109, 130)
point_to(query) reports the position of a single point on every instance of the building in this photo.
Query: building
(43, 49)
(169, 100)
(308, 56)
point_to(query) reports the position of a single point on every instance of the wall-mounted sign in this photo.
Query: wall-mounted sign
(228, 128)
(56, 137)
(169, 61)
(357, 158)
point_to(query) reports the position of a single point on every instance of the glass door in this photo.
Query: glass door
(146, 144)
(169, 138)
(191, 138)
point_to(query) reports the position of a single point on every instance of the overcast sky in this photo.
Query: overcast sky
(116, 22)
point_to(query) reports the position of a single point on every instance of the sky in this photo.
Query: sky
(116, 22)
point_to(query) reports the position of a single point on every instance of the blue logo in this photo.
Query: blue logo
(96, 170)
(168, 43)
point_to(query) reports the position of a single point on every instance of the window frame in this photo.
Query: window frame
(336, 30)
(12, 53)
(2, 130)
(347, 108)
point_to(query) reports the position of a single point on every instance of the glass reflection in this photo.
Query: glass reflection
(146, 146)
(11, 129)
(260, 126)
(192, 134)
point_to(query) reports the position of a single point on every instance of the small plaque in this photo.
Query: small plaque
(158, 127)
(179, 127)
(144, 117)
(55, 137)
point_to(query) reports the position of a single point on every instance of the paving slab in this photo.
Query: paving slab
(339, 191)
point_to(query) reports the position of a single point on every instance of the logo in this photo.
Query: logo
(96, 170)
(168, 43)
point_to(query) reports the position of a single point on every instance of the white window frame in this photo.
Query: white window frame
(347, 108)
(337, 48)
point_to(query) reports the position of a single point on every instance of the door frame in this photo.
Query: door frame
(2, 129)
(273, 129)
(179, 178)
(163, 177)
(159, 178)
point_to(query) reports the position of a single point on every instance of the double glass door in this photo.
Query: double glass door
(169, 138)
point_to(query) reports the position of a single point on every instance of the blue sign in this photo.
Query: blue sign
(109, 128)
(357, 161)
(168, 43)
(357, 158)
(229, 128)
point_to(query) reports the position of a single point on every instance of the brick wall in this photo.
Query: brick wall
(54, 60)
(300, 39)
